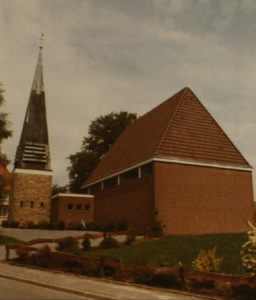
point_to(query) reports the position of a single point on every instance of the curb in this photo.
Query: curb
(97, 296)
(61, 289)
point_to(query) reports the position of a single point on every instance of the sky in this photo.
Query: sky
(101, 56)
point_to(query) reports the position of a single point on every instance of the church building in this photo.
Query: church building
(176, 164)
(32, 175)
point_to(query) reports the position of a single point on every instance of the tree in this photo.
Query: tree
(56, 189)
(5, 131)
(103, 132)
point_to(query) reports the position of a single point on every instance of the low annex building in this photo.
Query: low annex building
(175, 161)
(72, 209)
(5, 180)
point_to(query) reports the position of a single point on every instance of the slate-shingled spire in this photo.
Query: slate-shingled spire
(33, 150)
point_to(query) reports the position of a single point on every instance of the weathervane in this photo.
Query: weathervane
(41, 40)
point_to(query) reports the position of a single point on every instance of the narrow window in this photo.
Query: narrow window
(31, 204)
(129, 175)
(110, 182)
(21, 203)
(87, 207)
(78, 206)
(70, 206)
(41, 204)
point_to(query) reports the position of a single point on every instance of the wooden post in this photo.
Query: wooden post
(101, 267)
(7, 252)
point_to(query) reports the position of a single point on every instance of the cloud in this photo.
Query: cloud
(103, 56)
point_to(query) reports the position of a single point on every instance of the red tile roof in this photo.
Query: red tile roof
(179, 128)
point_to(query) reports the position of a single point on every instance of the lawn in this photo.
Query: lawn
(7, 240)
(172, 249)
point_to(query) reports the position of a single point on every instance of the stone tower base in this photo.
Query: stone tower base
(30, 198)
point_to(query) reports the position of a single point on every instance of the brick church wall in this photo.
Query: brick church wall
(27, 189)
(132, 202)
(196, 200)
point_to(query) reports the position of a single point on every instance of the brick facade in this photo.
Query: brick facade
(132, 202)
(82, 209)
(184, 196)
(30, 197)
(194, 199)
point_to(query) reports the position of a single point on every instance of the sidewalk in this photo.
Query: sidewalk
(90, 287)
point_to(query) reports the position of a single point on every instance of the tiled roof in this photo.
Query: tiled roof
(179, 128)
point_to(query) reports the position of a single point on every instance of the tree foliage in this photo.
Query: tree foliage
(5, 131)
(103, 132)
(56, 189)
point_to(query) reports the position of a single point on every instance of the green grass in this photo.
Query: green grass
(8, 240)
(173, 249)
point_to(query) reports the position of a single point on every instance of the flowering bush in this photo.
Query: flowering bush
(207, 261)
(248, 252)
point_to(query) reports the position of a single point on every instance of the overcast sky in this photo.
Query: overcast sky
(109, 55)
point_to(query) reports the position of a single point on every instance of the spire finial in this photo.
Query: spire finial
(41, 40)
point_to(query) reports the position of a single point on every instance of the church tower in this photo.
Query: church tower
(32, 175)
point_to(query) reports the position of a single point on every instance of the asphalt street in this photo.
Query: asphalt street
(12, 290)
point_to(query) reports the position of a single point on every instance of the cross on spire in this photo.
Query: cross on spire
(41, 40)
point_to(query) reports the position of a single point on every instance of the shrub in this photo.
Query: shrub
(14, 224)
(91, 226)
(5, 224)
(166, 281)
(207, 261)
(22, 253)
(205, 284)
(61, 225)
(110, 227)
(143, 277)
(244, 292)
(69, 245)
(121, 226)
(248, 252)
(44, 225)
(90, 269)
(156, 229)
(40, 260)
(131, 236)
(31, 225)
(86, 243)
(108, 242)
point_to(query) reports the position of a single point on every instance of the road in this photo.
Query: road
(12, 290)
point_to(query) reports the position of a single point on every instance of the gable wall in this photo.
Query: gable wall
(196, 200)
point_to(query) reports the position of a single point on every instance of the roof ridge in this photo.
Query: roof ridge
(221, 129)
(171, 120)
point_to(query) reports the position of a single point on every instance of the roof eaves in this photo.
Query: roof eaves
(176, 160)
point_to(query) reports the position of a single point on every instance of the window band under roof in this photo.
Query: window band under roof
(172, 160)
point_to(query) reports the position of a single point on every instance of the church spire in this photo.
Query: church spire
(38, 82)
(33, 150)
